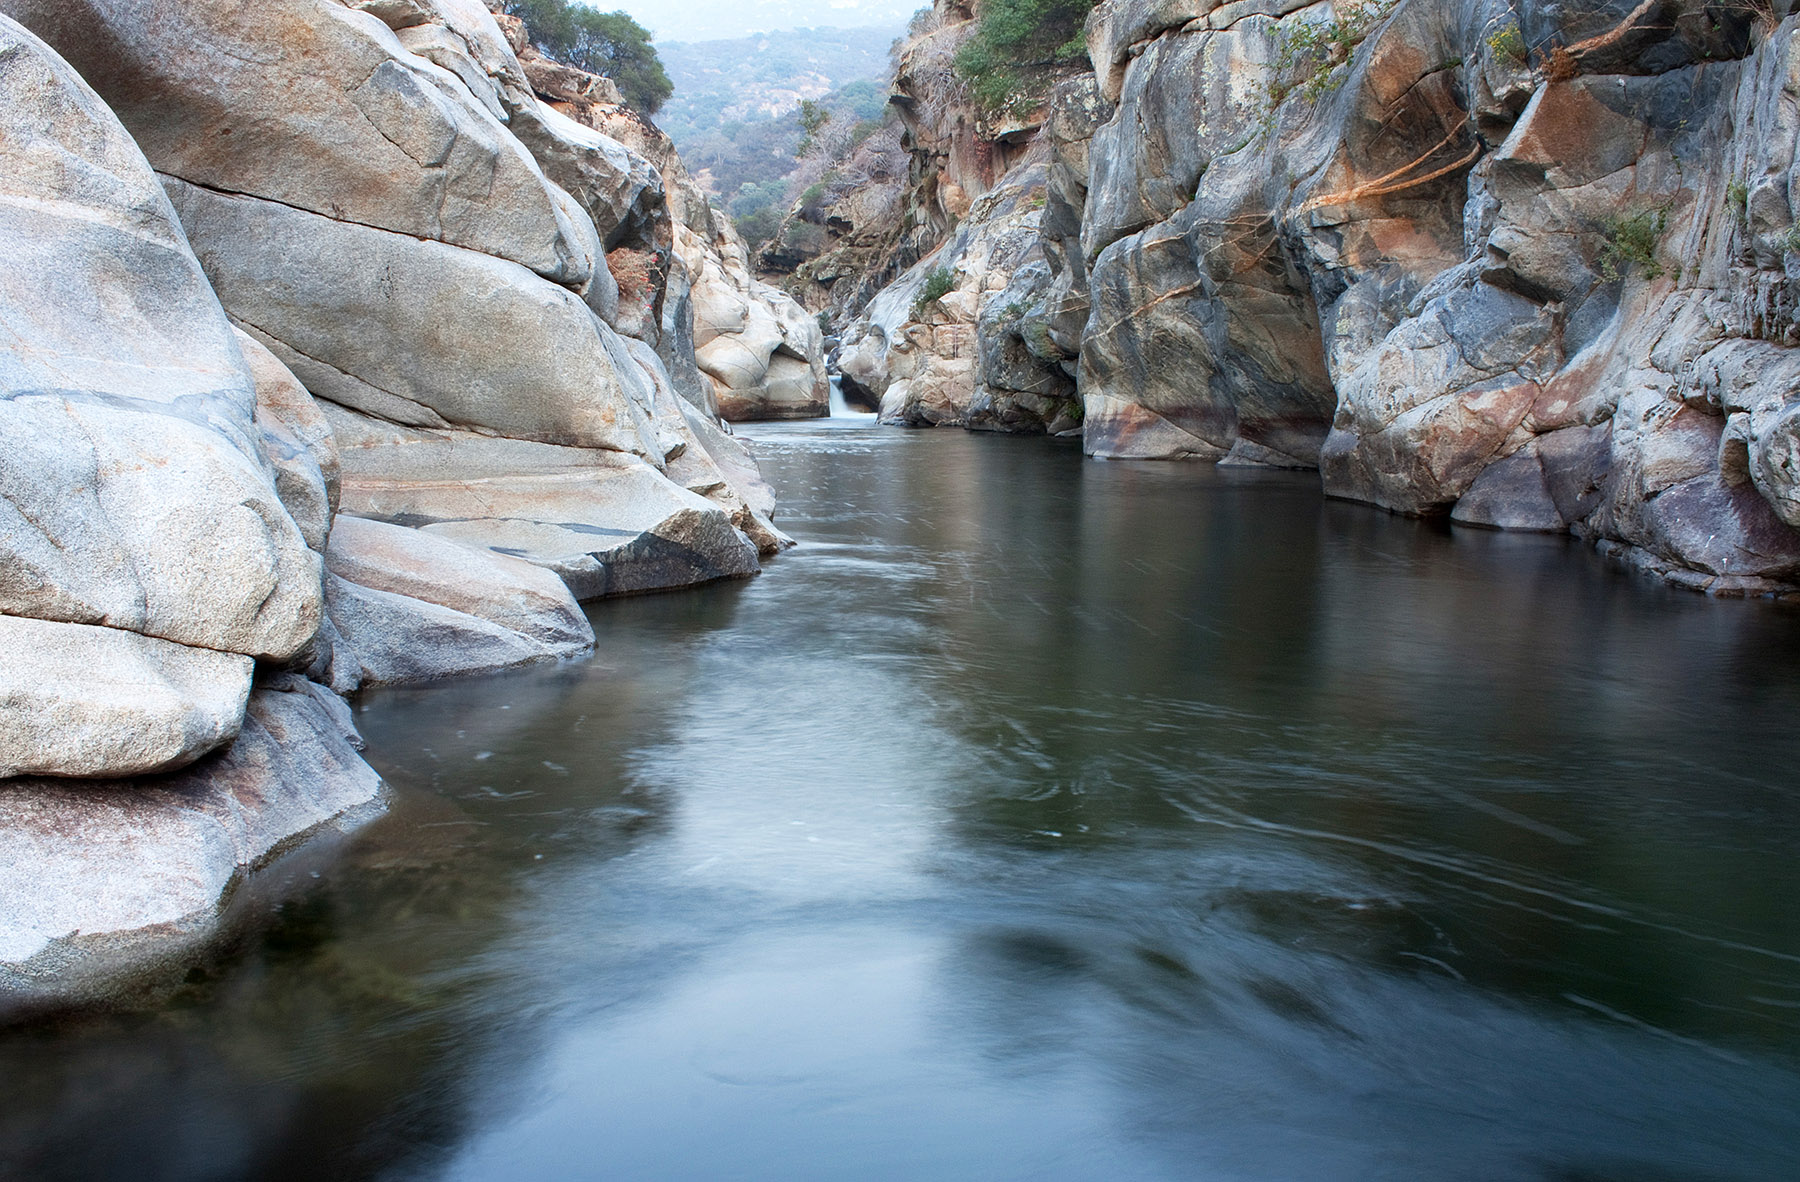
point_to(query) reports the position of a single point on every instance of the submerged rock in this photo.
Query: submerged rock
(104, 883)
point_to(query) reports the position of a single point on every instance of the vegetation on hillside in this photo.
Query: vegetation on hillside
(1017, 46)
(759, 119)
(608, 43)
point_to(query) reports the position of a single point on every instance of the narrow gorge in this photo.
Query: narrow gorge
(502, 678)
(349, 345)
(1528, 266)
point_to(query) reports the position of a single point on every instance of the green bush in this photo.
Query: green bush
(1308, 54)
(608, 43)
(1509, 43)
(759, 225)
(938, 282)
(1016, 44)
(1630, 240)
(1737, 199)
(813, 118)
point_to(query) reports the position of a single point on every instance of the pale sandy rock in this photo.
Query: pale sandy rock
(147, 522)
(103, 883)
(607, 523)
(229, 95)
(616, 187)
(415, 331)
(386, 639)
(76, 700)
(683, 274)
(508, 592)
(762, 350)
(135, 493)
(709, 462)
(297, 441)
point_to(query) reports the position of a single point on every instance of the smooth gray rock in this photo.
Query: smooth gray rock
(502, 590)
(76, 700)
(382, 638)
(1511, 494)
(102, 883)
(414, 331)
(231, 95)
(134, 492)
(297, 441)
(607, 523)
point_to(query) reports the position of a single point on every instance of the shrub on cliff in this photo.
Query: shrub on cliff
(608, 43)
(938, 283)
(1017, 44)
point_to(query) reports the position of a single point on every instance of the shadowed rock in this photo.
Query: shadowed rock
(103, 883)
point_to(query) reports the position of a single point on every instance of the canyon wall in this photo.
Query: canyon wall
(342, 348)
(1530, 266)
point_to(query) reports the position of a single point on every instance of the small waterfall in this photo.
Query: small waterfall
(841, 409)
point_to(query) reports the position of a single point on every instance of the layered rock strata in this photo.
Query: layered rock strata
(1528, 266)
(315, 377)
(734, 345)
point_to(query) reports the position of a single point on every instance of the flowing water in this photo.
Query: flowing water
(1036, 818)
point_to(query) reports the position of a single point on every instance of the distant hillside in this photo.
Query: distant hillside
(753, 79)
(712, 20)
(735, 114)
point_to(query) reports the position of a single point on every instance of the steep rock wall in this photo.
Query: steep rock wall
(1525, 267)
(316, 375)
(1529, 266)
(944, 317)
(735, 346)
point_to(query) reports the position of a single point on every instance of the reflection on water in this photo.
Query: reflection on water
(1037, 818)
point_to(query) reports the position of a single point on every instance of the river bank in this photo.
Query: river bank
(979, 838)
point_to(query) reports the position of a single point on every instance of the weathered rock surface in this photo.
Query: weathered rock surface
(407, 605)
(903, 191)
(76, 700)
(764, 354)
(1531, 267)
(135, 494)
(297, 442)
(978, 355)
(102, 882)
(319, 106)
(150, 555)
(608, 524)
(421, 326)
(731, 344)
(417, 332)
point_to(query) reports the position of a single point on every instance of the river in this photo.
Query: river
(1036, 818)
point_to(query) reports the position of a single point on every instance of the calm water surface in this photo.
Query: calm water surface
(1037, 818)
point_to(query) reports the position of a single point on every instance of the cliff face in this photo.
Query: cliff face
(918, 255)
(734, 345)
(335, 356)
(1529, 266)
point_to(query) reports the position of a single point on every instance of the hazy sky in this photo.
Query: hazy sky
(712, 20)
